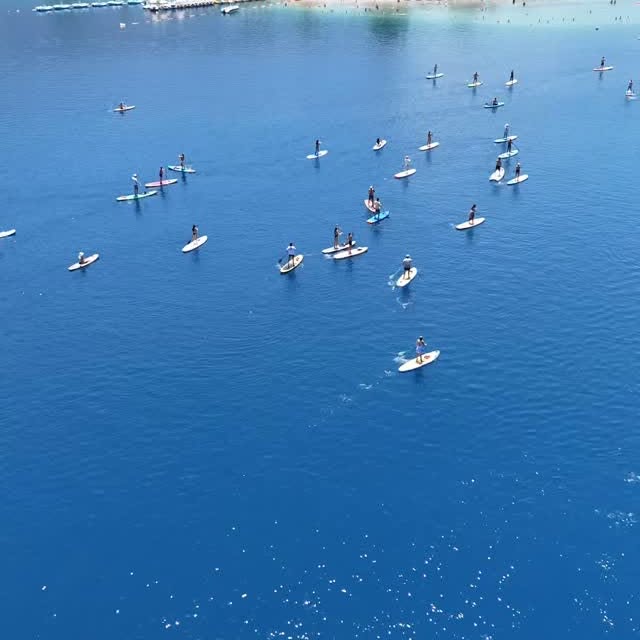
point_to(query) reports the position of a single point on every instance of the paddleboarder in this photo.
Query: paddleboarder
(498, 164)
(377, 142)
(81, 259)
(349, 241)
(121, 107)
(407, 162)
(406, 265)
(421, 345)
(475, 77)
(317, 147)
(518, 170)
(435, 69)
(602, 63)
(509, 145)
(372, 193)
(506, 131)
(136, 185)
(181, 158)
(630, 86)
(494, 102)
(291, 253)
(511, 76)
(194, 233)
(472, 213)
(429, 137)
(337, 232)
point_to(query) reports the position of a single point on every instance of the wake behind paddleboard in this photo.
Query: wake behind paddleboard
(6, 234)
(469, 225)
(428, 147)
(338, 249)
(434, 76)
(377, 147)
(503, 140)
(86, 263)
(177, 167)
(497, 175)
(427, 358)
(404, 174)
(133, 196)
(508, 154)
(163, 183)
(194, 244)
(350, 253)
(378, 217)
(403, 281)
(320, 154)
(289, 266)
(522, 178)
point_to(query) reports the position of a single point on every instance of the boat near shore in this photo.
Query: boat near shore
(177, 5)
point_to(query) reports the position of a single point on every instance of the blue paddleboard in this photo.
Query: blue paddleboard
(378, 217)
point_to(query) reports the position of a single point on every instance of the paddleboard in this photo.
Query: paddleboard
(133, 196)
(503, 140)
(473, 85)
(404, 174)
(194, 244)
(508, 154)
(320, 154)
(497, 175)
(427, 358)
(377, 147)
(350, 253)
(470, 225)
(522, 178)
(177, 167)
(119, 110)
(378, 217)
(631, 95)
(493, 106)
(510, 83)
(602, 68)
(340, 247)
(369, 206)
(434, 76)
(403, 281)
(428, 147)
(6, 234)
(157, 183)
(86, 263)
(290, 266)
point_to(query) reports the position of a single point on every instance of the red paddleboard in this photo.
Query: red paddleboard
(157, 183)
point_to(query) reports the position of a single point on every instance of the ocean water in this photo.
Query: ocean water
(195, 446)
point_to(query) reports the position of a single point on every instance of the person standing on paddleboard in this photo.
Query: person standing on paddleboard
(506, 131)
(602, 63)
(372, 193)
(81, 258)
(194, 233)
(429, 137)
(377, 142)
(472, 213)
(511, 76)
(337, 232)
(161, 174)
(317, 147)
(509, 145)
(518, 169)
(421, 345)
(498, 164)
(349, 241)
(407, 162)
(291, 253)
(136, 185)
(377, 206)
(475, 77)
(181, 158)
(406, 265)
(435, 69)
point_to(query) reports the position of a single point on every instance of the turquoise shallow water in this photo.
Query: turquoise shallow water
(197, 446)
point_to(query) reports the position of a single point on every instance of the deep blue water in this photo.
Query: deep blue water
(181, 430)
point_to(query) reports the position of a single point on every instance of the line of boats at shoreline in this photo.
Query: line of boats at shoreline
(85, 5)
(149, 5)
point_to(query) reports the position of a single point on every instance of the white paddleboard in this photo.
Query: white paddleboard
(377, 147)
(320, 154)
(6, 234)
(602, 68)
(427, 358)
(86, 263)
(522, 178)
(340, 247)
(497, 175)
(177, 167)
(434, 76)
(350, 253)
(369, 206)
(403, 281)
(125, 108)
(503, 140)
(290, 266)
(630, 94)
(428, 147)
(508, 154)
(133, 196)
(510, 83)
(404, 174)
(473, 85)
(194, 244)
(469, 225)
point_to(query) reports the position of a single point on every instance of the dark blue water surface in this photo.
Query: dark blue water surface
(195, 446)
